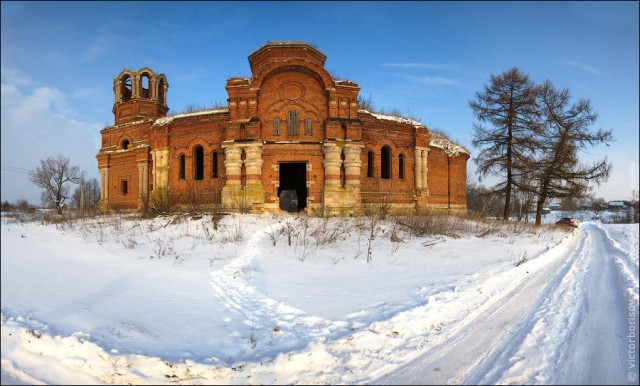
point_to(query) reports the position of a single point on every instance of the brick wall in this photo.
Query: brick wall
(285, 77)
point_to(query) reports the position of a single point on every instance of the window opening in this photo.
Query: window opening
(276, 126)
(401, 167)
(386, 162)
(198, 156)
(370, 164)
(126, 88)
(292, 122)
(144, 85)
(308, 126)
(125, 144)
(124, 187)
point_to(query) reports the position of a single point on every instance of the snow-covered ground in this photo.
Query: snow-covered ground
(172, 300)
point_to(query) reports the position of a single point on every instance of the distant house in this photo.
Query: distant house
(616, 205)
(555, 207)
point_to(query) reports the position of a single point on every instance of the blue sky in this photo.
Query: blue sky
(423, 59)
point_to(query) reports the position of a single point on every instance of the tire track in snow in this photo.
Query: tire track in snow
(575, 333)
(628, 266)
(476, 340)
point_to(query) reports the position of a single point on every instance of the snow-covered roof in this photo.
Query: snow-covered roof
(345, 82)
(165, 120)
(142, 145)
(392, 118)
(128, 124)
(440, 141)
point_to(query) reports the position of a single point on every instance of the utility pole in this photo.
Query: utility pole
(82, 197)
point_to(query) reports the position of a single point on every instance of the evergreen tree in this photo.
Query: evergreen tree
(508, 105)
(558, 173)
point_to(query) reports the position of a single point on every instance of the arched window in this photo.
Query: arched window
(214, 164)
(370, 164)
(125, 87)
(125, 144)
(401, 167)
(198, 161)
(385, 169)
(182, 166)
(292, 123)
(276, 126)
(308, 126)
(144, 86)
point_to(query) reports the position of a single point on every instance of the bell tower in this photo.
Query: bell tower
(138, 95)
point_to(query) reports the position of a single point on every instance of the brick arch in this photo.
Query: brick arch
(119, 85)
(295, 65)
(285, 105)
(382, 141)
(123, 138)
(161, 85)
(192, 144)
(151, 78)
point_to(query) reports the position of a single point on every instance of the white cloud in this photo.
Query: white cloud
(437, 80)
(38, 122)
(431, 80)
(429, 66)
(582, 66)
(14, 76)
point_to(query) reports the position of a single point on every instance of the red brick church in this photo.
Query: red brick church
(291, 138)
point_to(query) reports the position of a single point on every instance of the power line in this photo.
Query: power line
(15, 169)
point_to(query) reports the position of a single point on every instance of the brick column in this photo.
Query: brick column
(352, 164)
(233, 164)
(160, 170)
(425, 181)
(135, 85)
(253, 190)
(253, 163)
(332, 163)
(117, 90)
(233, 197)
(143, 178)
(104, 188)
(417, 168)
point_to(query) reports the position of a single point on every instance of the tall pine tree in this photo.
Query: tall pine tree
(558, 173)
(508, 105)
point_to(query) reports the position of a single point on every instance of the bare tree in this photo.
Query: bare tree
(598, 205)
(508, 104)
(22, 205)
(558, 171)
(91, 196)
(366, 103)
(54, 176)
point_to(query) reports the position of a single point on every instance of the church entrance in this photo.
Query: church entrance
(293, 186)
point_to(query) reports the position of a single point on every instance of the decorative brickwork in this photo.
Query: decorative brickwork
(290, 133)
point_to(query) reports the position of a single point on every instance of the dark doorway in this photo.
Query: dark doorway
(293, 186)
